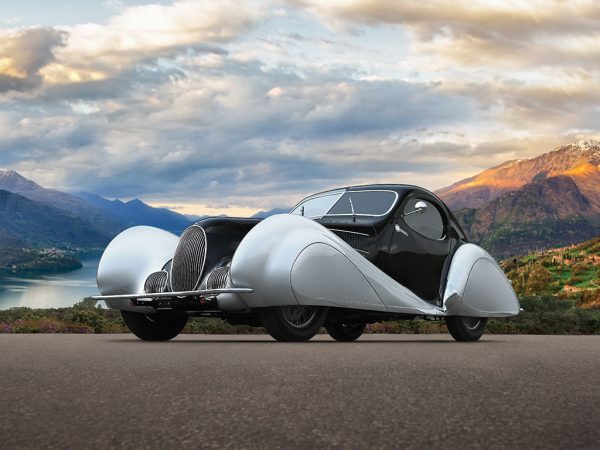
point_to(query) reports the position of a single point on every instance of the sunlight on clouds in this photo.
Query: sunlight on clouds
(201, 209)
(7, 67)
(480, 33)
(275, 92)
(234, 107)
(150, 30)
(60, 74)
(23, 52)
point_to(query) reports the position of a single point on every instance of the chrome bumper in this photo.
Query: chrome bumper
(180, 294)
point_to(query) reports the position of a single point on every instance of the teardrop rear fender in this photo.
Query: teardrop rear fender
(477, 287)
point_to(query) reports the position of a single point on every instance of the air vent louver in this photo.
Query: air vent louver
(218, 278)
(156, 282)
(188, 261)
(358, 241)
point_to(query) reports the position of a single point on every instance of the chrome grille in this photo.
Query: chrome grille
(189, 258)
(156, 282)
(357, 241)
(217, 279)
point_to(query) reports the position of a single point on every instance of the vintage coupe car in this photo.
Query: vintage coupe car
(340, 259)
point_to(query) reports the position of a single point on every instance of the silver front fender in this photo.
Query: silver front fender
(129, 258)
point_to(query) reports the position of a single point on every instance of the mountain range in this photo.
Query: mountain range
(32, 216)
(511, 209)
(136, 212)
(532, 204)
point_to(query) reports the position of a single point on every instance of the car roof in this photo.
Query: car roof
(398, 188)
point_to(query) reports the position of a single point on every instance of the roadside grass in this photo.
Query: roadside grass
(541, 315)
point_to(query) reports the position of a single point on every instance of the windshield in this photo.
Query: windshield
(365, 203)
(317, 206)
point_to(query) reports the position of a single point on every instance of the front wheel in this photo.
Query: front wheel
(154, 327)
(466, 329)
(345, 332)
(293, 323)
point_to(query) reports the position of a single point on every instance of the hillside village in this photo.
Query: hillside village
(566, 272)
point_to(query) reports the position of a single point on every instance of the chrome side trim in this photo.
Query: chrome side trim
(346, 231)
(175, 294)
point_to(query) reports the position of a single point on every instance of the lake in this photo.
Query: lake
(49, 290)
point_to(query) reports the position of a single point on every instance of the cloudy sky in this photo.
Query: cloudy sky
(225, 106)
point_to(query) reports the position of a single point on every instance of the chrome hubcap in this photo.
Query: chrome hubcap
(472, 322)
(299, 316)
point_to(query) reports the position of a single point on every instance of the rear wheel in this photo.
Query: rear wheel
(466, 329)
(154, 327)
(345, 332)
(293, 323)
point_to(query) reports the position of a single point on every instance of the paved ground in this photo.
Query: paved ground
(411, 391)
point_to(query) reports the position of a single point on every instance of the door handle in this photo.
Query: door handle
(400, 230)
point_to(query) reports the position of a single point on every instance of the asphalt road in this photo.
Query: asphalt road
(384, 391)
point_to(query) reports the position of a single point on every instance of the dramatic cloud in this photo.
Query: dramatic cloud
(229, 106)
(23, 53)
(530, 32)
(148, 32)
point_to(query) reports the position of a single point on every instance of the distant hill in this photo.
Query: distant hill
(71, 205)
(193, 218)
(105, 216)
(547, 213)
(33, 218)
(24, 222)
(271, 212)
(135, 212)
(526, 205)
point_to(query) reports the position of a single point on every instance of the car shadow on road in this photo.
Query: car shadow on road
(319, 342)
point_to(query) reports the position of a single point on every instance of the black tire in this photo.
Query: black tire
(466, 329)
(345, 332)
(293, 323)
(154, 327)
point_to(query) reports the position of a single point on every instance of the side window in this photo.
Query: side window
(430, 223)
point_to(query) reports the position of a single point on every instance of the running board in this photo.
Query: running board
(180, 294)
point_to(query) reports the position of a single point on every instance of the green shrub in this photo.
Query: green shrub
(541, 315)
(90, 317)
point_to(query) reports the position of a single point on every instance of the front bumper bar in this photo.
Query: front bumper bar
(174, 295)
